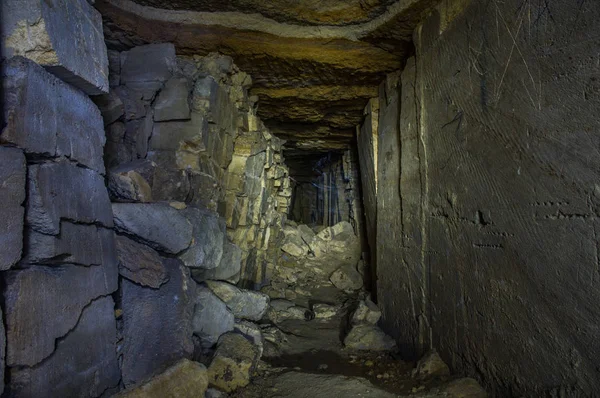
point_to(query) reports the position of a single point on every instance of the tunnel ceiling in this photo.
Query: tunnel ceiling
(314, 63)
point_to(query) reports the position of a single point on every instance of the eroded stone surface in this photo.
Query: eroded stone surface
(64, 36)
(12, 213)
(84, 363)
(43, 304)
(46, 116)
(63, 191)
(158, 318)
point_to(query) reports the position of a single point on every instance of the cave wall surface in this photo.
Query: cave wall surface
(491, 167)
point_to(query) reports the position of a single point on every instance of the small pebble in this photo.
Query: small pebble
(323, 366)
(369, 363)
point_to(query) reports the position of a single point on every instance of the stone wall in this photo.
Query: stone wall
(58, 262)
(487, 206)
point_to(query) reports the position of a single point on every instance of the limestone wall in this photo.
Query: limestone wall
(487, 195)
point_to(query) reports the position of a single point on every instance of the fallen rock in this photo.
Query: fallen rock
(140, 263)
(325, 311)
(306, 233)
(211, 318)
(67, 40)
(214, 393)
(156, 224)
(293, 243)
(368, 337)
(209, 237)
(464, 388)
(130, 182)
(366, 313)
(283, 310)
(185, 379)
(346, 279)
(228, 270)
(84, 363)
(245, 304)
(157, 318)
(252, 332)
(172, 102)
(233, 363)
(335, 247)
(12, 213)
(431, 365)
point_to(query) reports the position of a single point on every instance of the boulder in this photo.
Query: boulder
(58, 191)
(325, 311)
(233, 363)
(172, 101)
(368, 338)
(306, 233)
(252, 332)
(84, 363)
(140, 263)
(464, 388)
(336, 247)
(65, 37)
(189, 136)
(130, 182)
(245, 304)
(282, 310)
(157, 324)
(431, 365)
(228, 270)
(209, 236)
(12, 195)
(156, 224)
(346, 279)
(43, 304)
(185, 379)
(46, 116)
(78, 244)
(365, 313)
(211, 318)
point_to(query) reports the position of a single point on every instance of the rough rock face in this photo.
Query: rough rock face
(83, 364)
(169, 334)
(209, 237)
(301, 72)
(63, 36)
(2, 353)
(228, 270)
(185, 379)
(491, 215)
(12, 196)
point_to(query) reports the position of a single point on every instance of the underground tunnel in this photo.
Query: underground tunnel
(300, 198)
